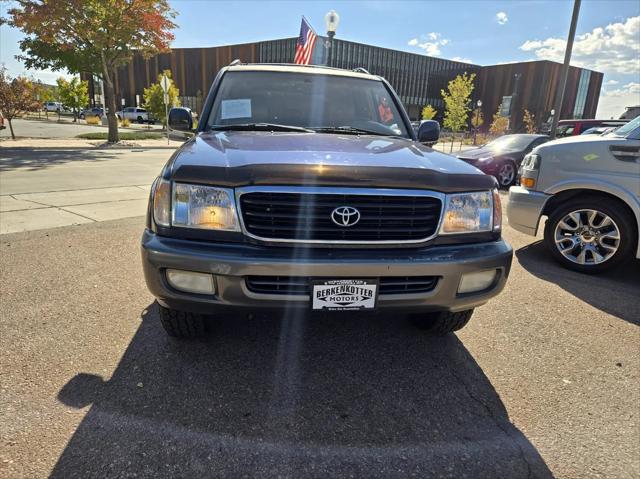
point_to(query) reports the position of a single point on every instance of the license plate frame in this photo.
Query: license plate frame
(345, 294)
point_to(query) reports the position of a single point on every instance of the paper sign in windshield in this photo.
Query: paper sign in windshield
(345, 294)
(239, 108)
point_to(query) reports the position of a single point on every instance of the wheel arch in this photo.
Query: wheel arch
(567, 194)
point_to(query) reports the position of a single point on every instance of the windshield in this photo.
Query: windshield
(624, 130)
(510, 142)
(308, 100)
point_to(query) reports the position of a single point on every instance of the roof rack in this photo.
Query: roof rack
(235, 62)
(361, 70)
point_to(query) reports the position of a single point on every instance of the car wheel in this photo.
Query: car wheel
(443, 322)
(590, 235)
(140, 120)
(506, 174)
(182, 324)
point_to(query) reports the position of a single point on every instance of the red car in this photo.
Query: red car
(577, 127)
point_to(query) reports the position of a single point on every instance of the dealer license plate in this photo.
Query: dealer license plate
(344, 294)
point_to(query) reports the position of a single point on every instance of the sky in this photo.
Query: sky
(484, 32)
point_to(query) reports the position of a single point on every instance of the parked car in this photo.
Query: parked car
(599, 130)
(277, 205)
(577, 127)
(589, 188)
(95, 111)
(53, 106)
(135, 114)
(502, 156)
(630, 112)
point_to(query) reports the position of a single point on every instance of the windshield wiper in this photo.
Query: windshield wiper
(260, 127)
(349, 130)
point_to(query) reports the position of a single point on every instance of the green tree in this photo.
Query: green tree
(17, 96)
(499, 125)
(45, 93)
(429, 112)
(477, 119)
(154, 98)
(529, 121)
(94, 36)
(74, 94)
(456, 101)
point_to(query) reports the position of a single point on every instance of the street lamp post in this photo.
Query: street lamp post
(475, 129)
(331, 20)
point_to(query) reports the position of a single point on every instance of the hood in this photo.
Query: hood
(477, 153)
(245, 158)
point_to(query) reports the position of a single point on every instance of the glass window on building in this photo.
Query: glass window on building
(581, 94)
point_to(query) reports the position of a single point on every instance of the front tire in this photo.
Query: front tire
(443, 322)
(590, 235)
(506, 174)
(182, 324)
(140, 120)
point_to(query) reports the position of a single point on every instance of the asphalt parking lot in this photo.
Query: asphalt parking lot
(543, 382)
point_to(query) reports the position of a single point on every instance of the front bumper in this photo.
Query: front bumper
(232, 263)
(525, 208)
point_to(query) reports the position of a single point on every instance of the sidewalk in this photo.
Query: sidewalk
(80, 143)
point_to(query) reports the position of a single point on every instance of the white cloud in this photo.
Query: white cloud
(613, 102)
(462, 59)
(612, 82)
(614, 48)
(502, 18)
(431, 44)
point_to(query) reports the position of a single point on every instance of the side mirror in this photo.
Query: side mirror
(429, 131)
(180, 119)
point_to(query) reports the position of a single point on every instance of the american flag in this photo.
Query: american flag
(305, 44)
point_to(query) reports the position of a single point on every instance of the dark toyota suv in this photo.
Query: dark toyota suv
(306, 187)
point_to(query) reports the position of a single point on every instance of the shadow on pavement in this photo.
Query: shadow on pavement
(615, 292)
(39, 158)
(298, 397)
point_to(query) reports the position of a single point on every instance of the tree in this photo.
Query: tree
(16, 97)
(429, 112)
(95, 36)
(529, 120)
(154, 98)
(45, 93)
(499, 125)
(74, 94)
(456, 101)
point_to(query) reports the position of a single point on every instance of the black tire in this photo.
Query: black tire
(443, 322)
(140, 120)
(612, 208)
(182, 324)
(506, 183)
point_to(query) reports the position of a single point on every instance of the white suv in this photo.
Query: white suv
(589, 188)
(135, 114)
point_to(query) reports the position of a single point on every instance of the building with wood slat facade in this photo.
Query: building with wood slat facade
(418, 79)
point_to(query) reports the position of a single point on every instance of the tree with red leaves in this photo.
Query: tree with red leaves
(17, 96)
(94, 36)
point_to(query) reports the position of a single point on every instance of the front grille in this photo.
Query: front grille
(299, 285)
(307, 216)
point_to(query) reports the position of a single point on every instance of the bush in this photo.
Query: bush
(125, 122)
(92, 120)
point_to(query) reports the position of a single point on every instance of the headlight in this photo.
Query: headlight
(468, 213)
(161, 194)
(204, 207)
(531, 162)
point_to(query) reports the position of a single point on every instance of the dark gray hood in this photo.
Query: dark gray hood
(309, 159)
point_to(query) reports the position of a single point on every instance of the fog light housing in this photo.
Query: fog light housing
(191, 282)
(477, 281)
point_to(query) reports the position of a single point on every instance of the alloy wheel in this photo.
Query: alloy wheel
(587, 237)
(506, 174)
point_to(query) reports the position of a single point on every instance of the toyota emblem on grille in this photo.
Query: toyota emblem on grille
(345, 216)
